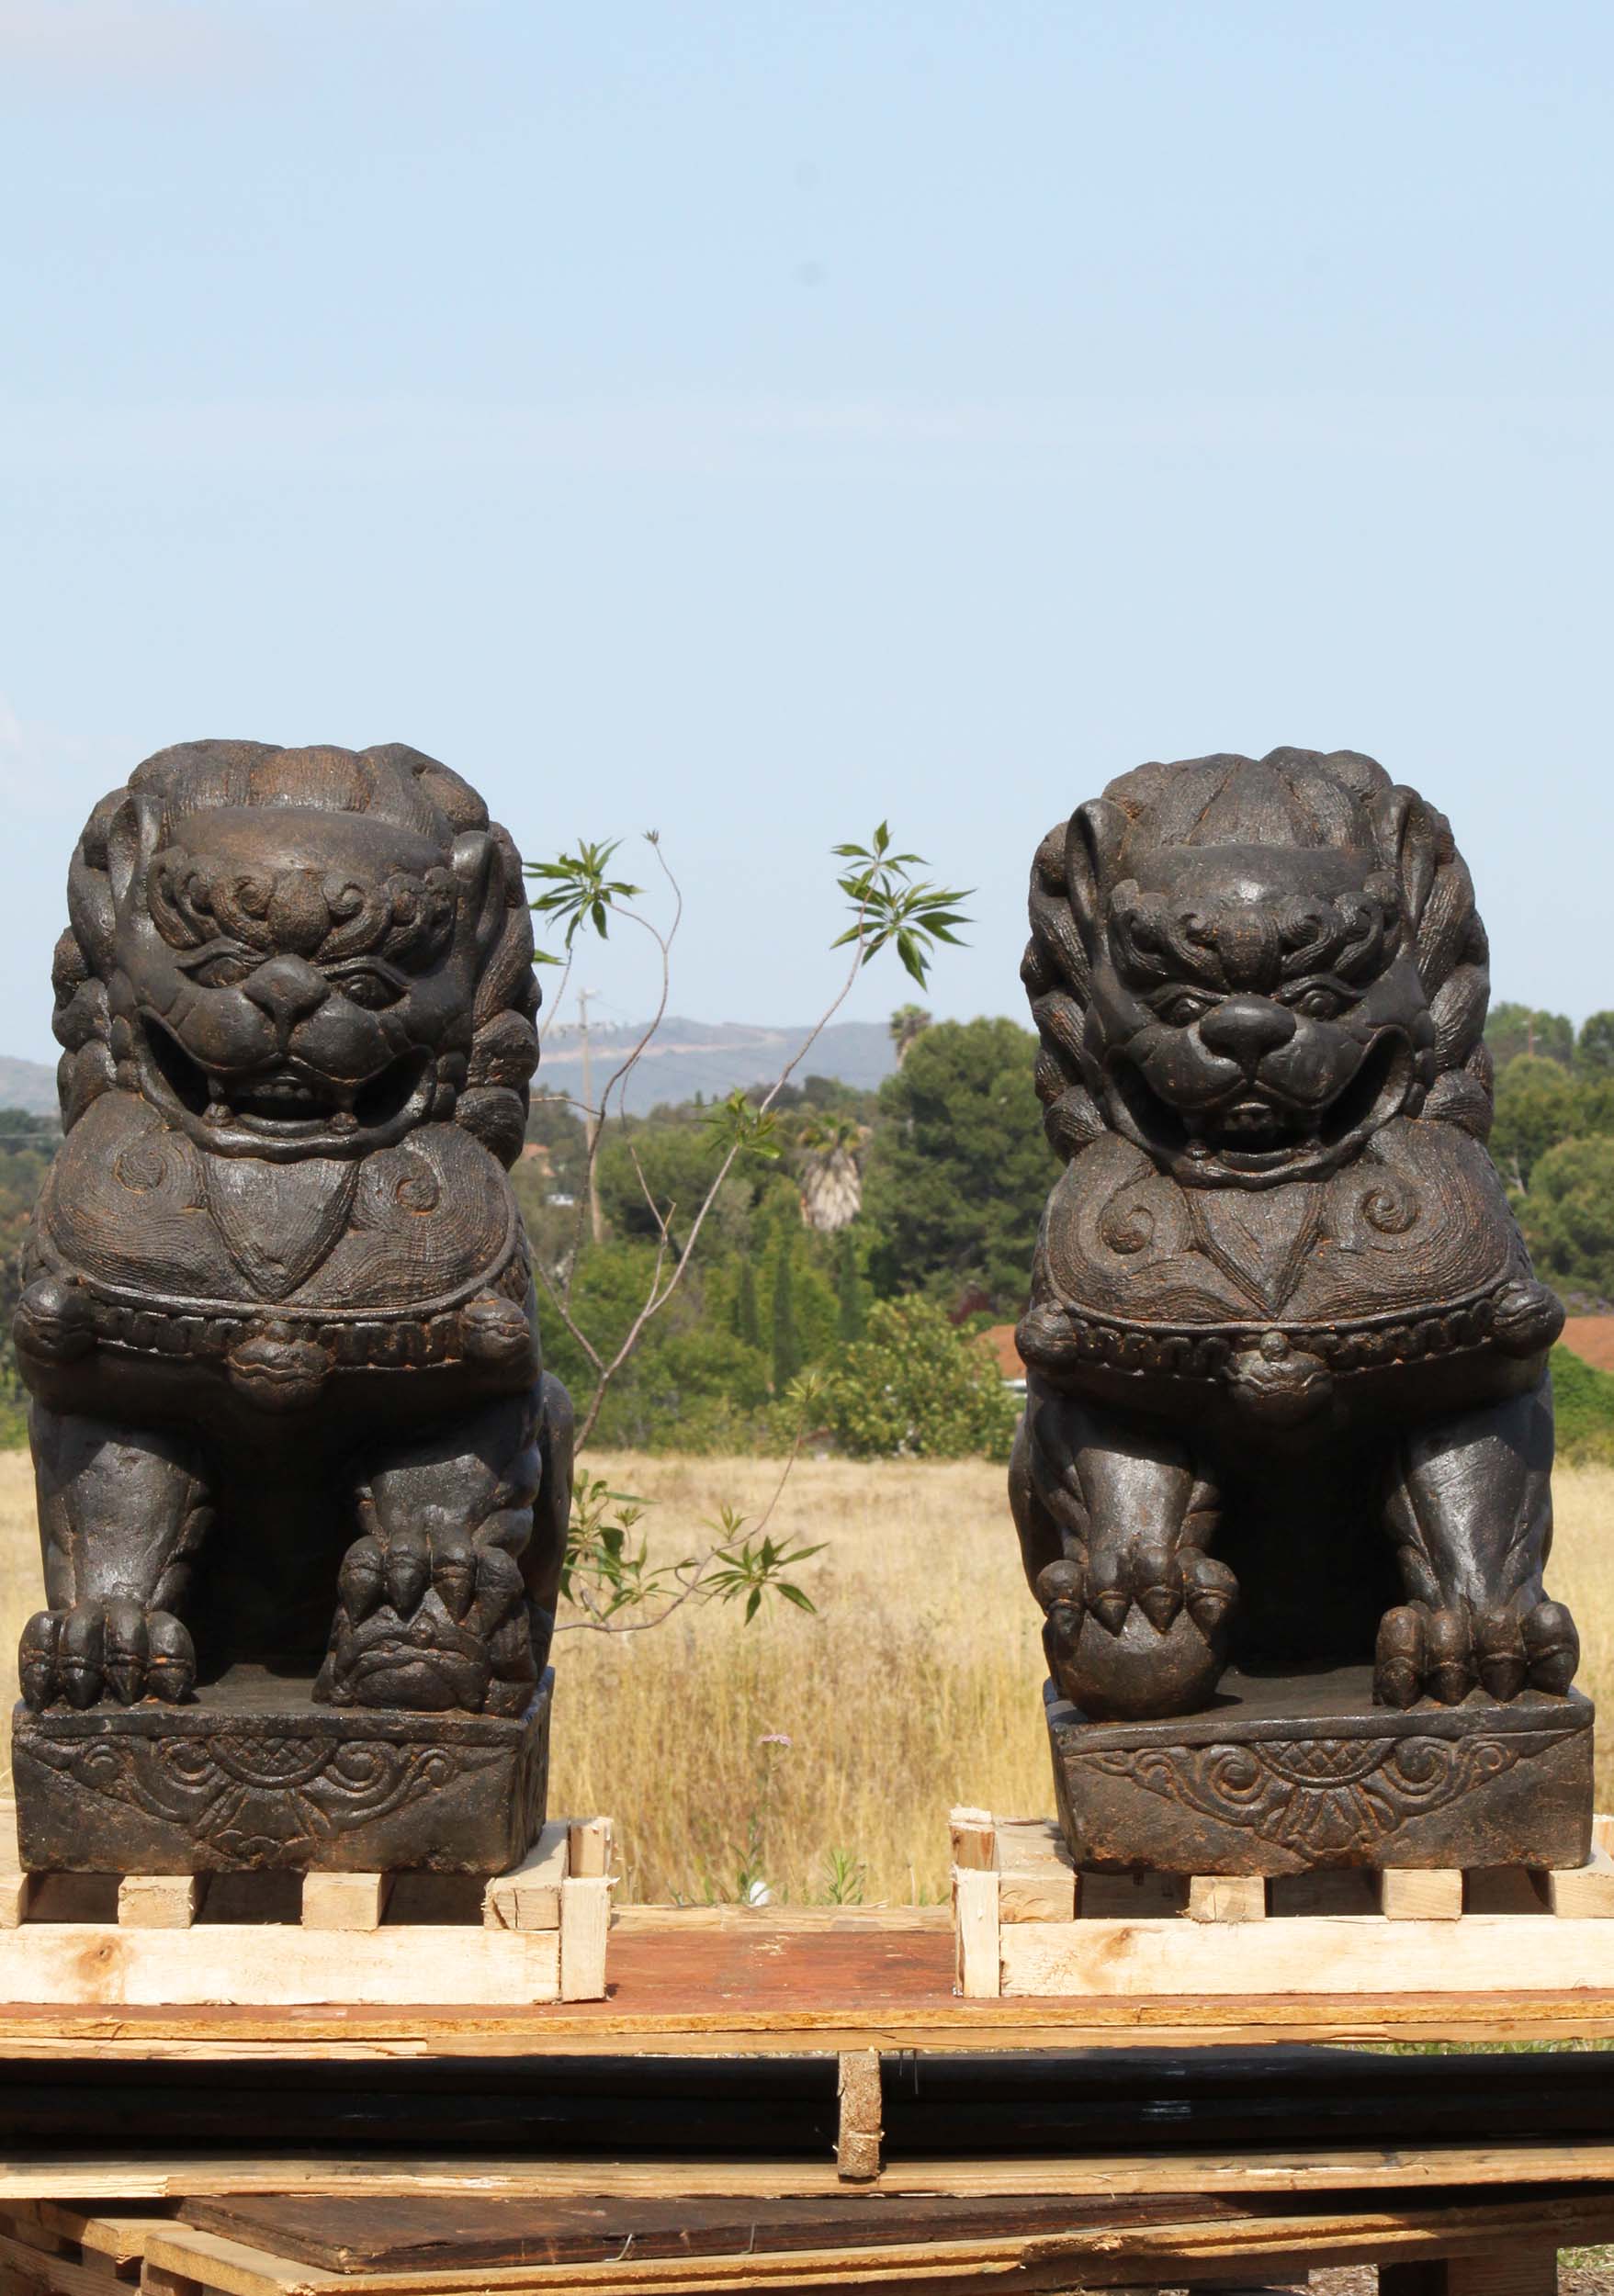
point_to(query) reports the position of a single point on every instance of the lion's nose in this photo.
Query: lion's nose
(1244, 1028)
(287, 989)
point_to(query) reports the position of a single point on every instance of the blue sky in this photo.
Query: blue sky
(748, 422)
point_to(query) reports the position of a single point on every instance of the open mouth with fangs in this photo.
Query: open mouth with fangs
(286, 1102)
(1253, 1135)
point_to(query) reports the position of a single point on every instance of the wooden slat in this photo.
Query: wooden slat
(1320, 1954)
(974, 1906)
(972, 1835)
(275, 1964)
(1139, 2253)
(589, 1847)
(345, 1901)
(1226, 1897)
(173, 2174)
(857, 2150)
(1036, 1880)
(529, 1898)
(1585, 1891)
(158, 1901)
(1407, 1895)
(585, 1924)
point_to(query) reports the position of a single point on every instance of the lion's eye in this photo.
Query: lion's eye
(1319, 1004)
(372, 990)
(223, 971)
(1183, 1011)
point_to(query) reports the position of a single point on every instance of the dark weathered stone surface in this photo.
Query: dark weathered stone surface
(1287, 1396)
(1303, 1772)
(278, 1316)
(253, 1775)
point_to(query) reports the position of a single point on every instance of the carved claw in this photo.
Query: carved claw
(1156, 1583)
(362, 1581)
(1448, 1655)
(1444, 1653)
(1499, 1654)
(454, 1574)
(36, 1659)
(113, 1649)
(171, 1669)
(126, 1644)
(1108, 1597)
(1398, 1672)
(1211, 1590)
(1553, 1646)
(80, 1654)
(408, 1564)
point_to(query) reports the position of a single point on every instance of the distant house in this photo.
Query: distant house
(1011, 1364)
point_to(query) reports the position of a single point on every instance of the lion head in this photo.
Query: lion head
(296, 953)
(1247, 968)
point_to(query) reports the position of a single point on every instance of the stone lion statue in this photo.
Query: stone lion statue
(1288, 1391)
(277, 1318)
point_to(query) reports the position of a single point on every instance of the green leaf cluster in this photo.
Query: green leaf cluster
(918, 1387)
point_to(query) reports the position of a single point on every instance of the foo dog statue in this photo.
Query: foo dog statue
(1287, 1392)
(289, 1423)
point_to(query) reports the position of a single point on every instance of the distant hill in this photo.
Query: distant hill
(688, 1057)
(712, 1058)
(27, 1085)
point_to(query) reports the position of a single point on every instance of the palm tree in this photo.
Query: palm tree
(908, 1023)
(832, 1183)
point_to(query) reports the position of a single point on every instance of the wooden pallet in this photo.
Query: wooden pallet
(537, 1934)
(1481, 2245)
(1026, 1923)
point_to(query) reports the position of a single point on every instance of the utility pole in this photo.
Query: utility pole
(591, 1115)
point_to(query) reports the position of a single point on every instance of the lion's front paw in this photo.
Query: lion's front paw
(111, 1648)
(429, 1621)
(1445, 1653)
(1137, 1633)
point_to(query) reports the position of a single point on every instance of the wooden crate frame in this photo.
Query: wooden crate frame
(537, 1934)
(1028, 1924)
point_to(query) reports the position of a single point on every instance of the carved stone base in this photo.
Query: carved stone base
(254, 1777)
(1301, 1771)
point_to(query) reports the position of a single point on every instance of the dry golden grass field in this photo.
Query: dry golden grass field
(916, 1684)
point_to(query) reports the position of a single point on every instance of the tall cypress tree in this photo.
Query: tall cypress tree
(748, 1322)
(849, 1298)
(787, 1338)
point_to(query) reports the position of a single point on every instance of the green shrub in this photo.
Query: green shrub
(1583, 1404)
(916, 1388)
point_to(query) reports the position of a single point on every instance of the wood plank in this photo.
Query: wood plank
(158, 1901)
(857, 2151)
(974, 1905)
(1408, 1894)
(1226, 1897)
(1321, 1954)
(120, 2239)
(451, 2233)
(275, 1964)
(972, 1832)
(1517, 2267)
(345, 1901)
(1587, 1891)
(170, 2173)
(61, 2275)
(589, 1847)
(773, 1922)
(528, 1897)
(1044, 2259)
(16, 1890)
(1036, 1879)
(585, 1926)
